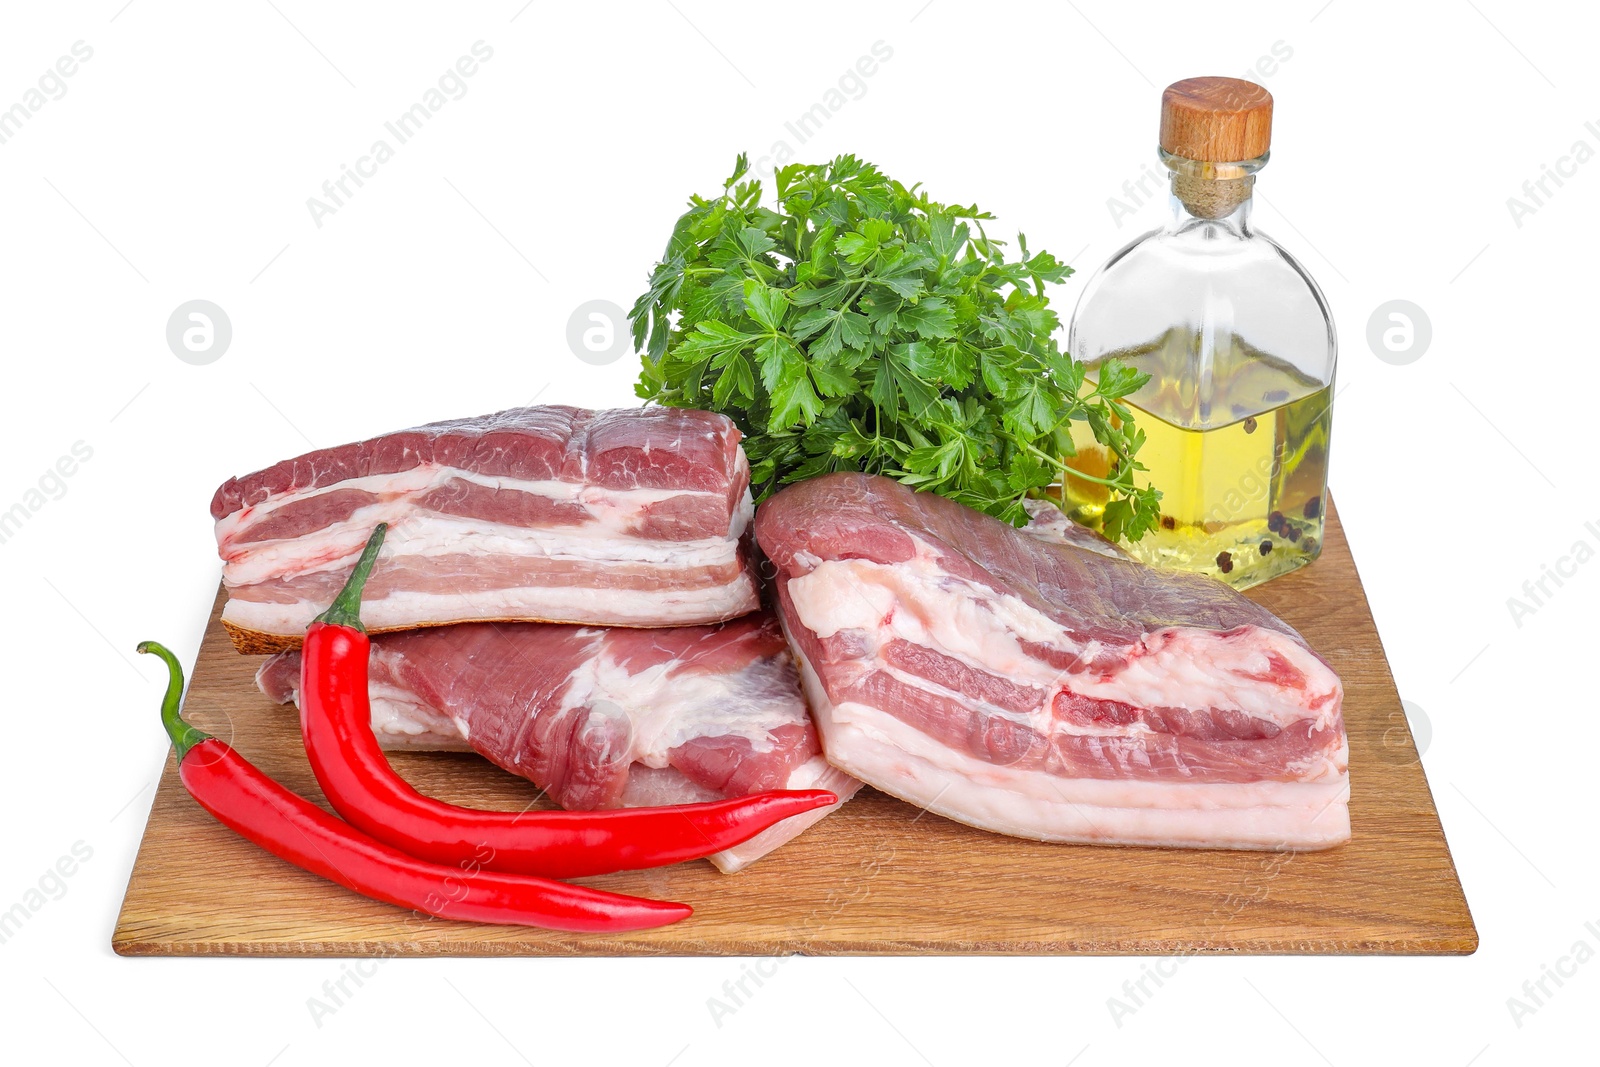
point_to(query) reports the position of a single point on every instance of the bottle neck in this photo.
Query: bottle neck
(1225, 202)
(1216, 193)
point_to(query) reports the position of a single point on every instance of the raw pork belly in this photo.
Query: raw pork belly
(1045, 690)
(631, 517)
(604, 718)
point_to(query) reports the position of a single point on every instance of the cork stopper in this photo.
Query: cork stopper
(1216, 120)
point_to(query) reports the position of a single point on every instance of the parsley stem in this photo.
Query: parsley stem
(1061, 464)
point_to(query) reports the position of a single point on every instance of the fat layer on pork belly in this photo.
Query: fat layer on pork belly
(1046, 690)
(631, 517)
(601, 718)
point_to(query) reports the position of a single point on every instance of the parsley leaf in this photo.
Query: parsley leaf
(859, 325)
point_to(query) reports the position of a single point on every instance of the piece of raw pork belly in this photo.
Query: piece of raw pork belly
(604, 718)
(629, 517)
(1047, 690)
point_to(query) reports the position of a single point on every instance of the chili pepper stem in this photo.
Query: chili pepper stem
(346, 607)
(184, 736)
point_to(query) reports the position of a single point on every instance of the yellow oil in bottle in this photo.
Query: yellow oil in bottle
(1237, 443)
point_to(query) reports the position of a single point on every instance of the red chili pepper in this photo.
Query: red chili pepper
(355, 775)
(289, 826)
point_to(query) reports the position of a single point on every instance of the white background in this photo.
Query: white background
(177, 166)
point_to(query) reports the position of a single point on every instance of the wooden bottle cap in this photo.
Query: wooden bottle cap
(1216, 120)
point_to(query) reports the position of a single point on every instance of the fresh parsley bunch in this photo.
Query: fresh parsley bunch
(859, 325)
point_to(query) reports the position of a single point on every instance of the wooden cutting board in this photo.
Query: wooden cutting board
(877, 877)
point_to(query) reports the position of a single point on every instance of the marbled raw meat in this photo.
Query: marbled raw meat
(628, 517)
(1047, 690)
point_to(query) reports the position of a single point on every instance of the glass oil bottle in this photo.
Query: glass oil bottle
(1240, 348)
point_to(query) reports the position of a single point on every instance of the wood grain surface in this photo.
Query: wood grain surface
(878, 877)
(1217, 120)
